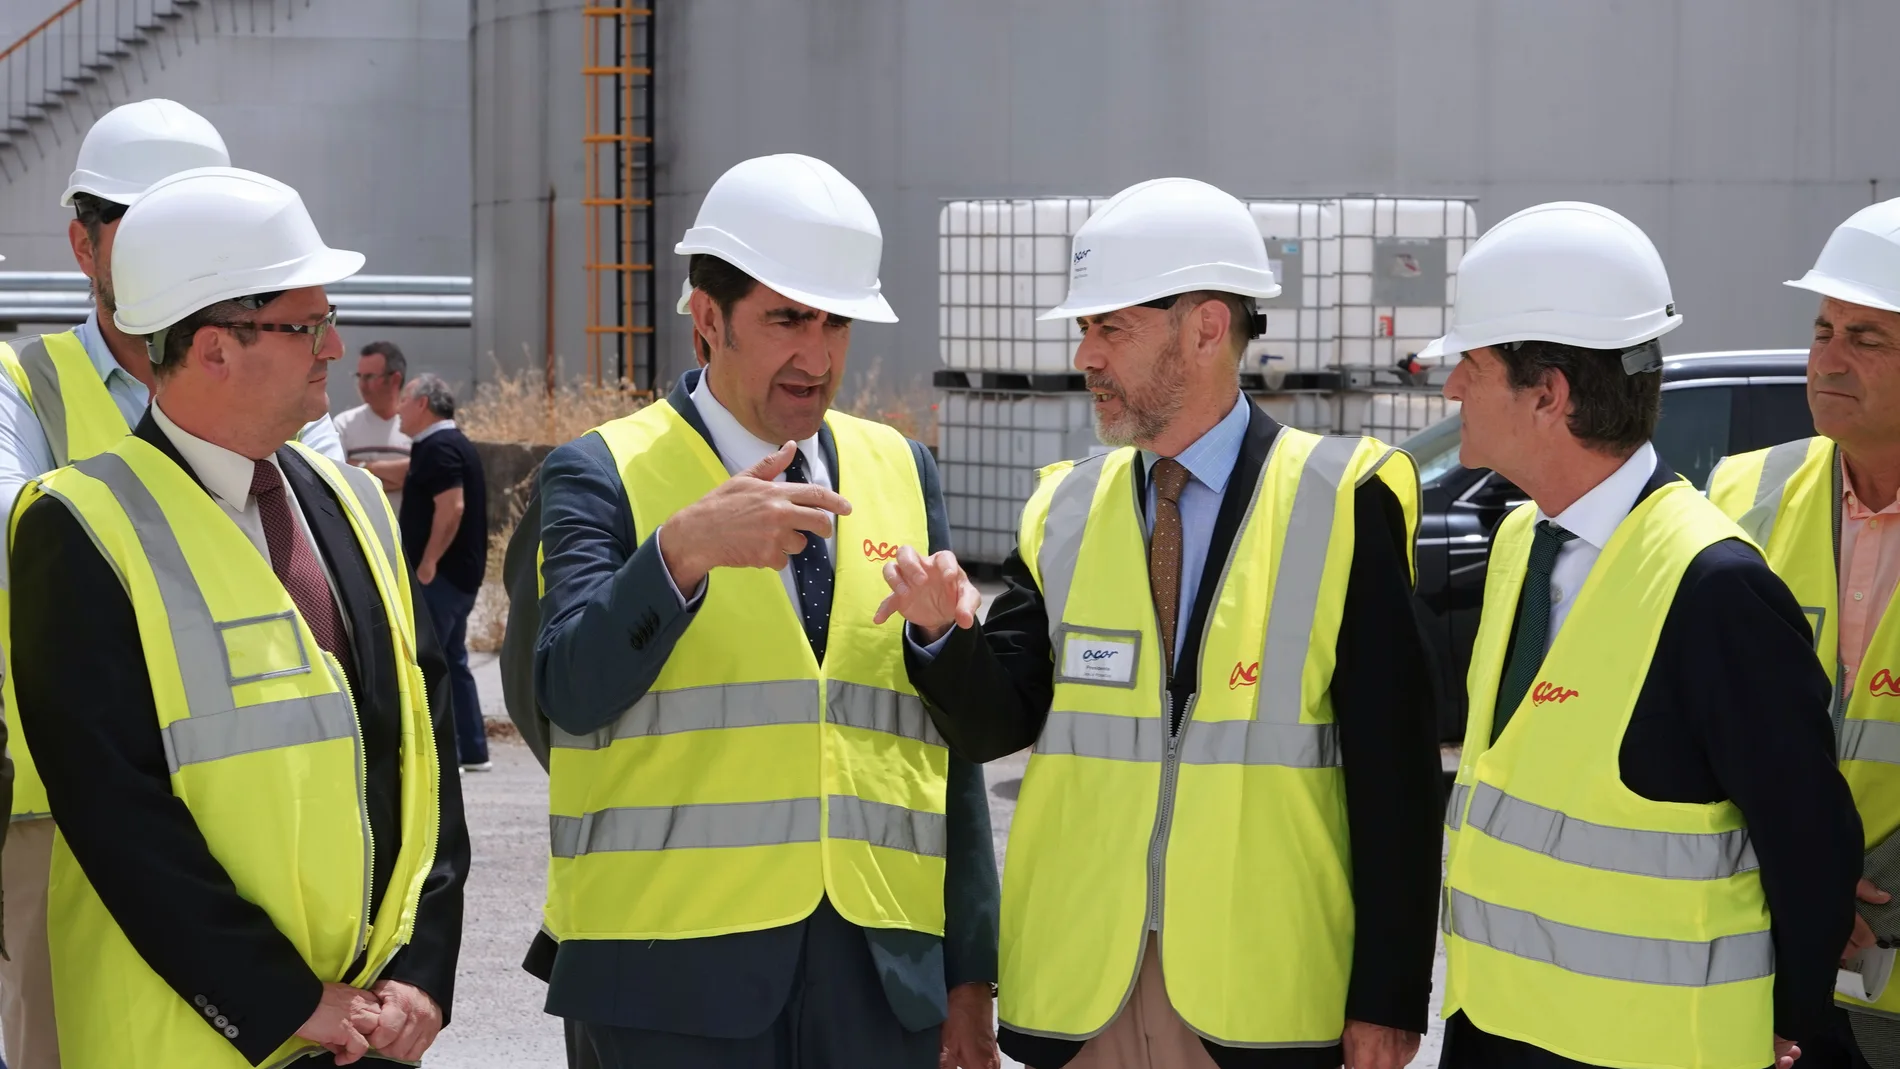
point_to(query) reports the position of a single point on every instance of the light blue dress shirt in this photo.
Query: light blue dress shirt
(25, 454)
(1210, 461)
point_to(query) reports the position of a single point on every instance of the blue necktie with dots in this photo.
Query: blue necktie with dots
(811, 573)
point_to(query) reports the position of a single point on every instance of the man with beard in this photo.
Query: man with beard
(761, 853)
(65, 397)
(1208, 638)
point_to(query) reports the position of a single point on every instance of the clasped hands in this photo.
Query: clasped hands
(392, 1018)
(749, 521)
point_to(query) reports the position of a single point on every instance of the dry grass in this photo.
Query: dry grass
(912, 410)
(515, 407)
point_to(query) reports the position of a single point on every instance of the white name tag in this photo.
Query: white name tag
(1090, 659)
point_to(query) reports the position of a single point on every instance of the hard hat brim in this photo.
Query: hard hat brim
(1842, 290)
(98, 189)
(1070, 310)
(872, 309)
(1445, 349)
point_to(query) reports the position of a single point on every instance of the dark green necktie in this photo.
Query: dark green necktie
(1532, 636)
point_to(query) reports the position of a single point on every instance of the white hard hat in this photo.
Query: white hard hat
(1567, 272)
(136, 144)
(1860, 263)
(799, 227)
(212, 234)
(1160, 238)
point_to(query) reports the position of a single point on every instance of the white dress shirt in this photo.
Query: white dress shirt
(1593, 518)
(227, 475)
(739, 449)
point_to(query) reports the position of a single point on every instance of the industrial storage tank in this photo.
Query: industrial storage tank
(362, 105)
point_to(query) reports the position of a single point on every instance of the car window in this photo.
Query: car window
(1693, 431)
(1776, 413)
(1435, 449)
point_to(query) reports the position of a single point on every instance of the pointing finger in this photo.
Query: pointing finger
(884, 610)
(773, 466)
(816, 497)
(895, 581)
(968, 602)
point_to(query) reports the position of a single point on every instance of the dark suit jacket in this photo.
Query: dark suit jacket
(98, 747)
(1735, 707)
(989, 690)
(609, 620)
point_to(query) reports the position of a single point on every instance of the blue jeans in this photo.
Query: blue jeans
(449, 607)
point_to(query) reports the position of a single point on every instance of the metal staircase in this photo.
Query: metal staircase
(93, 54)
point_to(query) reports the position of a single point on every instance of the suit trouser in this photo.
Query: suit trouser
(837, 1017)
(1147, 1033)
(26, 978)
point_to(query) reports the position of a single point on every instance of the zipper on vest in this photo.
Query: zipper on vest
(362, 802)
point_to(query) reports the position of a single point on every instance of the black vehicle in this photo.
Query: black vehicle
(1713, 405)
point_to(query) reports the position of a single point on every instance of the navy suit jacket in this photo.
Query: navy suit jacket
(609, 620)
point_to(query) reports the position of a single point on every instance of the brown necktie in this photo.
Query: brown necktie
(1164, 551)
(294, 561)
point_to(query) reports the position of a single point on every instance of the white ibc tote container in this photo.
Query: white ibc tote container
(990, 446)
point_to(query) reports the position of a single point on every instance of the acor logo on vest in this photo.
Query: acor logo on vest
(1551, 692)
(1243, 675)
(878, 550)
(1098, 655)
(1884, 685)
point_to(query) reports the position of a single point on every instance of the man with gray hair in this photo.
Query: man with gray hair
(444, 519)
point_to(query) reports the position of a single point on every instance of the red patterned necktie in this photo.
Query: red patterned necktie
(295, 561)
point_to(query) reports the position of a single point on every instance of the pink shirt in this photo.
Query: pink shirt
(1870, 565)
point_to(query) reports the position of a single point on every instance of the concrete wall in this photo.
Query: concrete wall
(361, 104)
(1737, 132)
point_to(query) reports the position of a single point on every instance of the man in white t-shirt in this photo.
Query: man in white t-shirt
(372, 432)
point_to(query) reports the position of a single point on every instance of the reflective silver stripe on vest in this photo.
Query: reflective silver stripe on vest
(876, 709)
(729, 705)
(1870, 740)
(1257, 742)
(294, 722)
(1726, 959)
(1062, 529)
(1455, 808)
(219, 726)
(1104, 736)
(1777, 468)
(48, 404)
(890, 826)
(369, 494)
(1664, 855)
(707, 826)
(1296, 586)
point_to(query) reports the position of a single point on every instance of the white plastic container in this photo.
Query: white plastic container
(990, 446)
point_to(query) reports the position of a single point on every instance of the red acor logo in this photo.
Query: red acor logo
(1243, 675)
(878, 550)
(1550, 692)
(1884, 685)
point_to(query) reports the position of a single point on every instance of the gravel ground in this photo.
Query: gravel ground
(498, 1018)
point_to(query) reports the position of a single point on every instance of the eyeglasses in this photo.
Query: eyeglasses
(316, 330)
(372, 376)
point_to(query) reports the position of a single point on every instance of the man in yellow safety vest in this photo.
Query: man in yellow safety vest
(1225, 851)
(1824, 511)
(65, 397)
(260, 849)
(1651, 852)
(762, 855)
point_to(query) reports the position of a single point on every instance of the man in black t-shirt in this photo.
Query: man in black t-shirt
(444, 522)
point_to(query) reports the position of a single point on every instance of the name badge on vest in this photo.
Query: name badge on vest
(1101, 658)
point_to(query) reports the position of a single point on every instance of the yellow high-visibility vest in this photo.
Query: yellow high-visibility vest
(750, 780)
(1229, 837)
(1579, 916)
(80, 418)
(1788, 499)
(265, 750)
